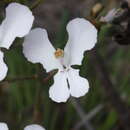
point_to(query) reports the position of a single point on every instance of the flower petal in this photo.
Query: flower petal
(109, 16)
(3, 67)
(59, 91)
(38, 49)
(82, 36)
(3, 126)
(34, 127)
(78, 86)
(18, 22)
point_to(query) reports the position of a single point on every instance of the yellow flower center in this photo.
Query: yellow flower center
(59, 53)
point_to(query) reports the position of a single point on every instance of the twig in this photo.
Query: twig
(37, 107)
(81, 114)
(33, 77)
(49, 76)
(89, 116)
(10, 80)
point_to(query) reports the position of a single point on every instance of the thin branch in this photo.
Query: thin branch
(33, 77)
(15, 79)
(81, 114)
(49, 76)
(37, 107)
(89, 116)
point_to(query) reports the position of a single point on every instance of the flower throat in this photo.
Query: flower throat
(59, 53)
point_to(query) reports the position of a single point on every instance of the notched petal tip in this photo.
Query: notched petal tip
(79, 86)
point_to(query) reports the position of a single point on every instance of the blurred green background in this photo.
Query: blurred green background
(24, 99)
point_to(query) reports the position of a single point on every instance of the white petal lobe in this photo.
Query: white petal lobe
(78, 86)
(3, 126)
(59, 91)
(34, 127)
(82, 36)
(38, 49)
(18, 22)
(109, 16)
(3, 67)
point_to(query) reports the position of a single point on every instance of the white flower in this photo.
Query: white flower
(109, 16)
(38, 49)
(3, 126)
(18, 22)
(112, 14)
(34, 127)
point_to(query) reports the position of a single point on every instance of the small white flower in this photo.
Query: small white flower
(109, 16)
(3, 126)
(38, 49)
(112, 14)
(34, 127)
(18, 22)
